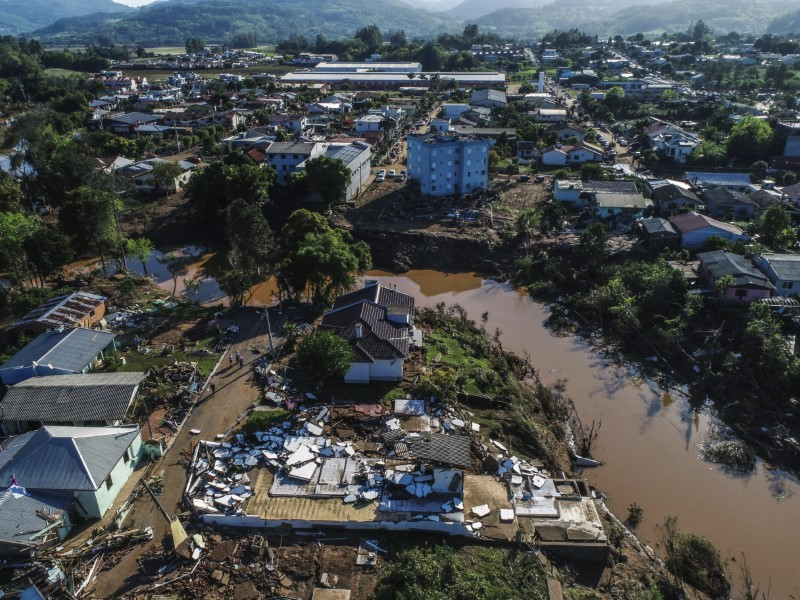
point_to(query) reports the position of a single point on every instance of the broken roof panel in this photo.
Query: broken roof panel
(440, 448)
(63, 310)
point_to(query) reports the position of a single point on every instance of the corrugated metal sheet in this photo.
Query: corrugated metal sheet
(66, 458)
(440, 448)
(18, 518)
(70, 350)
(71, 398)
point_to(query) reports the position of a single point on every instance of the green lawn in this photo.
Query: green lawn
(62, 72)
(136, 361)
(171, 50)
(450, 353)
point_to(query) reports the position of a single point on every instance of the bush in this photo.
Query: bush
(698, 563)
(323, 356)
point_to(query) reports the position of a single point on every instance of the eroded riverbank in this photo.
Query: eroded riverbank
(648, 438)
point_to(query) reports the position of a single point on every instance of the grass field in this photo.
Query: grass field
(62, 72)
(138, 362)
(167, 50)
(159, 74)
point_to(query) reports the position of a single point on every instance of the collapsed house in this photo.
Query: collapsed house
(304, 474)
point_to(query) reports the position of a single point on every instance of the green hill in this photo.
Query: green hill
(21, 16)
(171, 22)
(605, 17)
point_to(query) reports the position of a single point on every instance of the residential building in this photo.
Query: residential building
(109, 164)
(356, 157)
(659, 234)
(259, 138)
(746, 283)
(783, 271)
(671, 198)
(126, 124)
(578, 194)
(31, 522)
(550, 115)
(735, 182)
(88, 464)
(64, 352)
(792, 193)
(453, 111)
(527, 152)
(79, 309)
(566, 131)
(145, 177)
(448, 164)
(725, 204)
(696, 229)
(286, 157)
(576, 154)
(616, 206)
(671, 141)
(372, 67)
(370, 123)
(488, 98)
(382, 80)
(377, 322)
(77, 400)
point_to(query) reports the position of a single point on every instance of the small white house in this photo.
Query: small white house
(370, 123)
(377, 322)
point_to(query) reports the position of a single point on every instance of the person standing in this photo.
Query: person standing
(213, 387)
(241, 361)
(230, 359)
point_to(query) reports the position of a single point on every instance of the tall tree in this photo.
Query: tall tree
(140, 249)
(323, 356)
(328, 177)
(89, 216)
(48, 250)
(750, 139)
(15, 228)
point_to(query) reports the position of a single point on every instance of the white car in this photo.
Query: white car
(391, 174)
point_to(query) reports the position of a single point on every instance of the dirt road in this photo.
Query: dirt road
(235, 392)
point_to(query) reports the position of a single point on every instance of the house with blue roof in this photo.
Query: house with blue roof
(83, 466)
(74, 350)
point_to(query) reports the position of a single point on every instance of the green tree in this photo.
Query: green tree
(328, 177)
(15, 228)
(89, 216)
(324, 356)
(750, 140)
(214, 188)
(251, 257)
(48, 250)
(175, 264)
(164, 174)
(775, 225)
(194, 45)
(140, 249)
(430, 57)
(371, 36)
(10, 193)
(707, 153)
(594, 239)
(593, 171)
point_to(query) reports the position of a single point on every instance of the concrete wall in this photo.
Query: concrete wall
(358, 373)
(386, 370)
(451, 167)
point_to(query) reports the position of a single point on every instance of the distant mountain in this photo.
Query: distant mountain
(474, 9)
(22, 16)
(169, 23)
(785, 23)
(433, 5)
(605, 17)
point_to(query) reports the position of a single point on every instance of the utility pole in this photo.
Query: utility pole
(269, 330)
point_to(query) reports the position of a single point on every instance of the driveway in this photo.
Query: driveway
(236, 391)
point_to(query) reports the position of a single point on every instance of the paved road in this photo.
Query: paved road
(236, 391)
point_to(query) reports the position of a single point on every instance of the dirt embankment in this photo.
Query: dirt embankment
(400, 251)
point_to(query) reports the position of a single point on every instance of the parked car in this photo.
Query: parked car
(623, 142)
(523, 178)
(403, 173)
(539, 179)
(391, 174)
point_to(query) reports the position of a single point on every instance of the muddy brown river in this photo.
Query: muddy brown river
(648, 438)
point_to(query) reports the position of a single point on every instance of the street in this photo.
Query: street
(214, 413)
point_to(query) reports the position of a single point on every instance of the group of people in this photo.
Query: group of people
(239, 359)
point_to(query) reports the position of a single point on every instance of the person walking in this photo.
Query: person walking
(230, 359)
(241, 361)
(213, 387)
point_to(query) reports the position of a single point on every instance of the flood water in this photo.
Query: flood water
(648, 439)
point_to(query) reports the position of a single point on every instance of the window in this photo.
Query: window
(126, 457)
(433, 188)
(741, 293)
(283, 156)
(109, 482)
(787, 285)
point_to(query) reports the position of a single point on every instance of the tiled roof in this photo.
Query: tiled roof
(380, 338)
(57, 458)
(70, 350)
(71, 398)
(718, 179)
(440, 448)
(379, 295)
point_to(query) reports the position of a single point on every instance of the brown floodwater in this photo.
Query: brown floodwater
(648, 438)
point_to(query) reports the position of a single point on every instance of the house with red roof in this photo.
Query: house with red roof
(696, 229)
